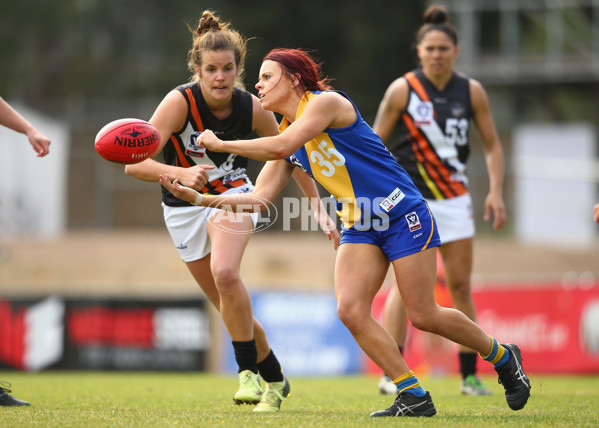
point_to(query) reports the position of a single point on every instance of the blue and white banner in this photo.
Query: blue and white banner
(305, 334)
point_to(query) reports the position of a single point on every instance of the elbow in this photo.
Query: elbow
(281, 153)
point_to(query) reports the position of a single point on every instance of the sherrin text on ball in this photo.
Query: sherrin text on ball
(127, 141)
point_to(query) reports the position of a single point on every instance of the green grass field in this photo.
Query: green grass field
(65, 399)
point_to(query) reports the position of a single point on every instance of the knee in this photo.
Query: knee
(349, 314)
(225, 276)
(422, 320)
(460, 288)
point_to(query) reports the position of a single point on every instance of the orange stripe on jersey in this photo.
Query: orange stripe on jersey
(448, 187)
(417, 86)
(184, 162)
(429, 159)
(194, 109)
(196, 116)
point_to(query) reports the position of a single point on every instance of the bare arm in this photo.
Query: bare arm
(493, 154)
(265, 124)
(271, 180)
(10, 118)
(327, 110)
(392, 105)
(327, 224)
(169, 117)
(596, 213)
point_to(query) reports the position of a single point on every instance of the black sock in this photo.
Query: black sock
(467, 363)
(246, 355)
(270, 368)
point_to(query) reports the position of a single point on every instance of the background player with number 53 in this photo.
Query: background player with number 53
(432, 107)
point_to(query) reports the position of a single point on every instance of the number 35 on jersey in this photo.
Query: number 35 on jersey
(325, 159)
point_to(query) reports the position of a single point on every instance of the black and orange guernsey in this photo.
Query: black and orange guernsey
(432, 141)
(229, 169)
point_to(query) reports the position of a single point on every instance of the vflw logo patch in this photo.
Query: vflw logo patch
(413, 221)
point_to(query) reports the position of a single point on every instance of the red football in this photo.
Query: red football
(127, 141)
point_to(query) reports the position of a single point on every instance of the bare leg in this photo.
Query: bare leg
(416, 277)
(360, 270)
(200, 270)
(229, 234)
(457, 259)
(395, 316)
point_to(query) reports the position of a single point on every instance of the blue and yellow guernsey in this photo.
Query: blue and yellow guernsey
(353, 164)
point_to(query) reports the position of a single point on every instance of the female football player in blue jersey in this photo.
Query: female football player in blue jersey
(384, 220)
(210, 241)
(432, 108)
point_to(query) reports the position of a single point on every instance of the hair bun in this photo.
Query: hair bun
(208, 22)
(436, 14)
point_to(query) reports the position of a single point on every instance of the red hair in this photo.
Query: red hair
(298, 63)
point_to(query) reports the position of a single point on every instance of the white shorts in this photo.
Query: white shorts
(187, 226)
(454, 217)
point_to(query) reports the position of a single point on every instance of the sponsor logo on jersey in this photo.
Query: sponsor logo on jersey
(393, 199)
(413, 221)
(233, 176)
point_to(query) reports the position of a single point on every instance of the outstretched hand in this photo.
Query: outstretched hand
(181, 192)
(39, 142)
